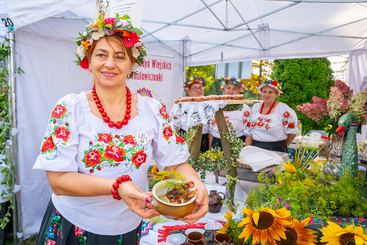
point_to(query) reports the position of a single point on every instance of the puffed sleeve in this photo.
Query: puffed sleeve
(60, 144)
(289, 120)
(246, 115)
(169, 148)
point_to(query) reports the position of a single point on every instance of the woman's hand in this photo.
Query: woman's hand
(201, 206)
(137, 200)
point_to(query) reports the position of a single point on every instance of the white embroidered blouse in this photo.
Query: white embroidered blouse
(78, 141)
(271, 127)
(236, 118)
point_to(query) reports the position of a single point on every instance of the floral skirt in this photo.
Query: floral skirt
(56, 230)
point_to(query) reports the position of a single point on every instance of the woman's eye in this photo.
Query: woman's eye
(100, 55)
(120, 57)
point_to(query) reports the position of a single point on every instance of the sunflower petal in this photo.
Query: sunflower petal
(255, 218)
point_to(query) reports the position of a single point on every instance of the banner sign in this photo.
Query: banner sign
(158, 77)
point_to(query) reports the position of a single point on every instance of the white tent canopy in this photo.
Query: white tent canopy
(218, 31)
(196, 31)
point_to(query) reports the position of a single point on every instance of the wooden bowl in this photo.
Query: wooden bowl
(171, 210)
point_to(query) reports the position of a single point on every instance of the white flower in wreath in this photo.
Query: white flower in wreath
(122, 23)
(80, 51)
(135, 52)
(97, 35)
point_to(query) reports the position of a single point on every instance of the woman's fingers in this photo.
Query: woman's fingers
(146, 213)
(198, 213)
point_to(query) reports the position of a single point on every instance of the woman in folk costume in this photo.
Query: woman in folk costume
(181, 120)
(98, 147)
(237, 118)
(273, 125)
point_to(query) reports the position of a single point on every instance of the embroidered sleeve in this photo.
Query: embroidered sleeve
(289, 120)
(246, 119)
(59, 145)
(169, 148)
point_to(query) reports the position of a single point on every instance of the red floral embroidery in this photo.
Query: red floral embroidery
(106, 138)
(244, 121)
(253, 124)
(50, 242)
(62, 133)
(274, 82)
(291, 125)
(260, 119)
(139, 158)
(58, 111)
(286, 114)
(248, 124)
(285, 123)
(92, 158)
(115, 153)
(48, 144)
(179, 139)
(260, 124)
(78, 231)
(129, 139)
(246, 113)
(163, 112)
(167, 132)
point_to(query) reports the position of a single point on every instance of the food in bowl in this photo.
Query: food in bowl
(180, 193)
(174, 199)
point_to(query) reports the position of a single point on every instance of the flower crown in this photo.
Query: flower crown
(232, 80)
(270, 83)
(121, 26)
(195, 79)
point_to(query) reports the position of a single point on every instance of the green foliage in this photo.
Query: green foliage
(350, 196)
(318, 194)
(232, 179)
(210, 160)
(7, 169)
(207, 73)
(301, 79)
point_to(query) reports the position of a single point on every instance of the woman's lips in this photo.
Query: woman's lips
(109, 74)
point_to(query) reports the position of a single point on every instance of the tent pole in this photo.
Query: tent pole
(184, 62)
(13, 142)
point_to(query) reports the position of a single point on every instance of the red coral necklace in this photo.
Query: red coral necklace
(104, 115)
(271, 108)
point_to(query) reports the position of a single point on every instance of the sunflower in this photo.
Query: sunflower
(228, 217)
(265, 225)
(297, 234)
(334, 234)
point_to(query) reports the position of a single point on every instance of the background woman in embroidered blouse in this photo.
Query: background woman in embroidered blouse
(181, 120)
(102, 142)
(237, 118)
(273, 125)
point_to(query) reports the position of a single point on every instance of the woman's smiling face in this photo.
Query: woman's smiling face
(110, 64)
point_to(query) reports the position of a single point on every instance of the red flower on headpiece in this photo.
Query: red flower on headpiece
(109, 21)
(130, 40)
(275, 83)
(125, 33)
(84, 63)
